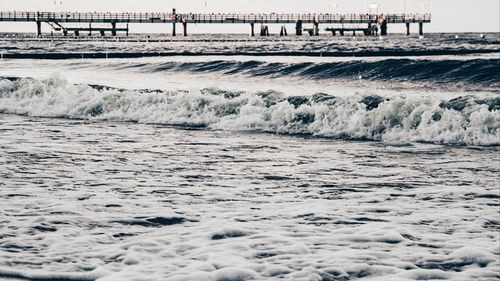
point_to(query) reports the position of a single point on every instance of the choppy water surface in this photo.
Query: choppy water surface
(225, 164)
(124, 201)
(220, 43)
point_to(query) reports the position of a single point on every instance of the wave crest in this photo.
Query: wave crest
(466, 120)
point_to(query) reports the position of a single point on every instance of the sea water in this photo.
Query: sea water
(278, 163)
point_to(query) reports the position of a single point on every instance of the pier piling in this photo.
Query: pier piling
(113, 28)
(283, 31)
(316, 28)
(174, 20)
(38, 28)
(252, 29)
(184, 26)
(421, 28)
(407, 29)
(298, 28)
(264, 30)
(383, 28)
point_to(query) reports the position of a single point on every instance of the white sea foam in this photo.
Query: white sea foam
(87, 200)
(12, 274)
(395, 119)
(124, 201)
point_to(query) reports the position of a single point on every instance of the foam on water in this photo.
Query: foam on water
(466, 120)
(101, 200)
(40, 275)
(189, 188)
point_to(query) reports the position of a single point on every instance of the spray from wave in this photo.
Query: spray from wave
(465, 120)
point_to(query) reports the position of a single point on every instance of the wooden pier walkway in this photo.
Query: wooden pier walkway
(58, 18)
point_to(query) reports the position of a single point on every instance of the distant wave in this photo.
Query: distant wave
(469, 73)
(473, 71)
(466, 120)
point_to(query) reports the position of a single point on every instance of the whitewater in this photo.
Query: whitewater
(234, 159)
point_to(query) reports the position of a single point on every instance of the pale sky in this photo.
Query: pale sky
(448, 15)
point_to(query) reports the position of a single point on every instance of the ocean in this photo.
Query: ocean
(224, 157)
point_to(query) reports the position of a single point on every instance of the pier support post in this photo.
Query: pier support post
(420, 28)
(38, 28)
(113, 28)
(298, 28)
(127, 30)
(264, 30)
(283, 31)
(341, 32)
(369, 31)
(185, 26)
(407, 29)
(102, 32)
(174, 19)
(316, 28)
(252, 29)
(383, 28)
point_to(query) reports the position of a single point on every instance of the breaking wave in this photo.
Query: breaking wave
(466, 120)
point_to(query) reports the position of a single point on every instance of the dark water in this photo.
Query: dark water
(393, 44)
(482, 72)
(440, 59)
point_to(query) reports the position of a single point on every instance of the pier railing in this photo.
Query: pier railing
(208, 18)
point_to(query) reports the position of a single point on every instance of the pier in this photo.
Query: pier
(369, 24)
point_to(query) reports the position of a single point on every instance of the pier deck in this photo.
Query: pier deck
(192, 18)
